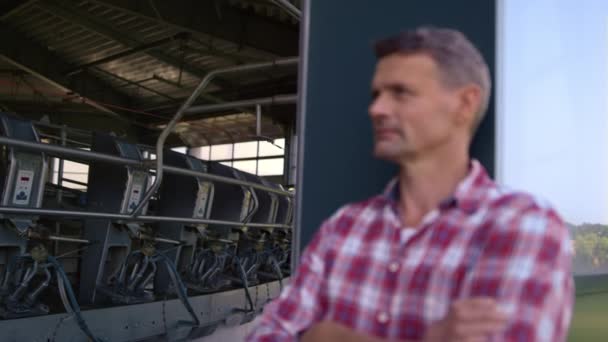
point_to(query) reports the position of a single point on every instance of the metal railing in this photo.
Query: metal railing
(216, 107)
(64, 152)
(160, 143)
(88, 156)
(127, 218)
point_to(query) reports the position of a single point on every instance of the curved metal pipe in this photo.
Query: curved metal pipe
(195, 262)
(29, 274)
(63, 294)
(243, 276)
(210, 270)
(179, 287)
(121, 279)
(200, 266)
(140, 274)
(134, 271)
(7, 275)
(146, 281)
(254, 264)
(160, 143)
(277, 269)
(289, 8)
(120, 274)
(75, 308)
(32, 297)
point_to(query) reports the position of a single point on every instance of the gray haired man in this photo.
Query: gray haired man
(444, 253)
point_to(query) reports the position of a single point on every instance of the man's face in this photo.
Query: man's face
(413, 113)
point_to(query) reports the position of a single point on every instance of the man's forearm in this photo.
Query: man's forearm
(473, 318)
(328, 331)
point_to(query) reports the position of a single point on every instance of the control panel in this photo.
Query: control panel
(202, 200)
(23, 187)
(136, 191)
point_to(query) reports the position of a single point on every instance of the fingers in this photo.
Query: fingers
(479, 330)
(476, 304)
(484, 309)
(469, 320)
(475, 319)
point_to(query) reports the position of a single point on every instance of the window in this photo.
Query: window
(72, 171)
(270, 167)
(203, 152)
(257, 157)
(181, 150)
(221, 152)
(552, 131)
(246, 165)
(246, 149)
(269, 149)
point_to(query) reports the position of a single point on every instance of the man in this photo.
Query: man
(444, 254)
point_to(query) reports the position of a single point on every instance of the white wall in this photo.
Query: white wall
(552, 124)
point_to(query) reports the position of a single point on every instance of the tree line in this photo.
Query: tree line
(590, 247)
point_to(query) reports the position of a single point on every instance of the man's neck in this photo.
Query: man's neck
(425, 182)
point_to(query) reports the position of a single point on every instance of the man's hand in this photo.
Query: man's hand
(328, 331)
(468, 320)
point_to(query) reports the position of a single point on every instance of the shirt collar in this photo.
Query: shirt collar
(467, 195)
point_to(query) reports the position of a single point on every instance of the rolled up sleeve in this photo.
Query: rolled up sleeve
(301, 303)
(525, 263)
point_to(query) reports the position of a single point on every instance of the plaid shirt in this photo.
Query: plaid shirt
(367, 271)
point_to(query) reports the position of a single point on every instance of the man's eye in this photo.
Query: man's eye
(400, 92)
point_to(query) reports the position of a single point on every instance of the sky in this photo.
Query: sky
(552, 103)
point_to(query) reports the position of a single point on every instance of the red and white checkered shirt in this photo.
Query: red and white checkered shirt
(367, 271)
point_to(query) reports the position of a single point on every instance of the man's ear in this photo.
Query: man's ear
(469, 102)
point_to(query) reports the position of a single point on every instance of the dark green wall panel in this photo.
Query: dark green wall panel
(337, 164)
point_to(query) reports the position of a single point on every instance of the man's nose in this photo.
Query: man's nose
(379, 107)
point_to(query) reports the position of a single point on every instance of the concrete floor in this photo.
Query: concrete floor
(235, 334)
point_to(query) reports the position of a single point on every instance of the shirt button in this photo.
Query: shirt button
(393, 267)
(382, 317)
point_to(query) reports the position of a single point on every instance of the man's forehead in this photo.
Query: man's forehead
(404, 68)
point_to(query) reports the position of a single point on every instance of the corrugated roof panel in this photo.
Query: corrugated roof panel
(103, 50)
(78, 45)
(65, 33)
(268, 9)
(26, 16)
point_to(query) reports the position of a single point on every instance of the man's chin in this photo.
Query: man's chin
(382, 154)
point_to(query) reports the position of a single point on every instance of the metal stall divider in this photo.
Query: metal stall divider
(123, 268)
(254, 243)
(220, 261)
(114, 189)
(183, 196)
(275, 263)
(27, 245)
(23, 174)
